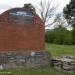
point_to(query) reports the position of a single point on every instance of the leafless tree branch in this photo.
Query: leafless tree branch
(46, 11)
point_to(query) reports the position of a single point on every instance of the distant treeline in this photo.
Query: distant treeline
(59, 35)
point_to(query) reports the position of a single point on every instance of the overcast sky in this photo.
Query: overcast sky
(7, 4)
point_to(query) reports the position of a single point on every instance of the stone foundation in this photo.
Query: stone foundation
(23, 59)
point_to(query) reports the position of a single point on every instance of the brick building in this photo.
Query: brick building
(22, 38)
(21, 29)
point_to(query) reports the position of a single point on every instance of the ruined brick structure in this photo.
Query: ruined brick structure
(21, 38)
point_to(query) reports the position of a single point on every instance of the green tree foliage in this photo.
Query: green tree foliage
(69, 13)
(29, 7)
(49, 36)
(59, 35)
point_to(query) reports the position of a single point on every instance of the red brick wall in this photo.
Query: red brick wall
(21, 37)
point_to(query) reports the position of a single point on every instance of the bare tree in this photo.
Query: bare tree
(46, 11)
(60, 21)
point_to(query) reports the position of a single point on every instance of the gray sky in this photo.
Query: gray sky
(7, 4)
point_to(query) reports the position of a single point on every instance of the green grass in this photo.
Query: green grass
(55, 50)
(35, 71)
(58, 50)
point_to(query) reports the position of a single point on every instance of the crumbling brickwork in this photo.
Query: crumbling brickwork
(14, 36)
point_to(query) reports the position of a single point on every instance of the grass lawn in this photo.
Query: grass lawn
(55, 50)
(58, 50)
(34, 71)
